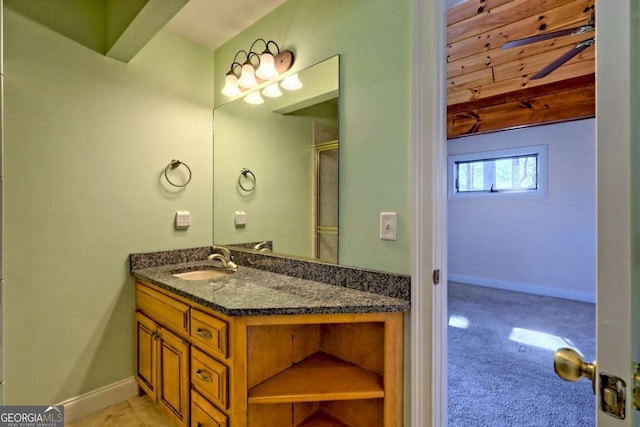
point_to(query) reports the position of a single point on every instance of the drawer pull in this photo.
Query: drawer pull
(202, 377)
(204, 333)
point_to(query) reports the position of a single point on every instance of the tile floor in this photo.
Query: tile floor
(133, 412)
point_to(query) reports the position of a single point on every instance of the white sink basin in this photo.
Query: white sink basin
(203, 274)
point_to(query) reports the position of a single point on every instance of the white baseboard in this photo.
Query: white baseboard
(93, 401)
(524, 287)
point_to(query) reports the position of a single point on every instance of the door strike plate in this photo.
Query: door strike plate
(436, 277)
(612, 395)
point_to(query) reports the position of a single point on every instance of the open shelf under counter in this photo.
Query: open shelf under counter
(319, 377)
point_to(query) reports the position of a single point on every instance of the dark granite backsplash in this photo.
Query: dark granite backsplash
(388, 284)
(178, 256)
(381, 283)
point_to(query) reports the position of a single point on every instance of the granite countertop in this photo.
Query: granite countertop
(253, 292)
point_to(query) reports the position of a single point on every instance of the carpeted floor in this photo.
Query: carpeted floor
(500, 356)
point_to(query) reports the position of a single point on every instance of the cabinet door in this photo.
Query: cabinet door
(173, 387)
(146, 354)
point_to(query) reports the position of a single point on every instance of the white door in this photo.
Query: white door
(618, 213)
(618, 207)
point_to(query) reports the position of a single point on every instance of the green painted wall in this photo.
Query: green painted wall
(87, 139)
(86, 142)
(373, 38)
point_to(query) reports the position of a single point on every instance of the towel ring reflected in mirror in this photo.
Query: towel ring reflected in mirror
(249, 176)
(173, 165)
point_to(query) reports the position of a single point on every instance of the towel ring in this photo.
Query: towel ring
(172, 165)
(246, 172)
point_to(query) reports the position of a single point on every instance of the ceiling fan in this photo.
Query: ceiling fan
(579, 47)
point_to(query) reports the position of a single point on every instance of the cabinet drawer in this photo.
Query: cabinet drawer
(210, 378)
(204, 414)
(210, 332)
(163, 309)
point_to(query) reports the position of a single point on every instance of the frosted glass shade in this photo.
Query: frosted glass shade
(253, 98)
(267, 69)
(272, 91)
(231, 85)
(248, 77)
(291, 82)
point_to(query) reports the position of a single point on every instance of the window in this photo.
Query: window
(513, 172)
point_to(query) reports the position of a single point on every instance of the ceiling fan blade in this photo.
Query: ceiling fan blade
(548, 36)
(564, 58)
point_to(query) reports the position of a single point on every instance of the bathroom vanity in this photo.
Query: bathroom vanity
(265, 349)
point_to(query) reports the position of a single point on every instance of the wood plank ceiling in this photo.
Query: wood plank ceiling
(490, 89)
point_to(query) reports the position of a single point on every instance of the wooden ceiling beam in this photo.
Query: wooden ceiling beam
(490, 89)
(571, 104)
(530, 92)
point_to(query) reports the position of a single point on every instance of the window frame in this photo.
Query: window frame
(538, 150)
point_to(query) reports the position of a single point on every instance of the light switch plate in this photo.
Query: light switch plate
(388, 225)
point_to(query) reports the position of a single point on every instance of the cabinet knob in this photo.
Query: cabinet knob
(203, 333)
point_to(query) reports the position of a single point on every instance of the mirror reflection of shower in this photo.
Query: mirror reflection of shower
(326, 186)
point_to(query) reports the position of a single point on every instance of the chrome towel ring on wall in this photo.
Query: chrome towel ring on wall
(248, 176)
(173, 165)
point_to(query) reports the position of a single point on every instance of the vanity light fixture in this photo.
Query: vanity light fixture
(256, 70)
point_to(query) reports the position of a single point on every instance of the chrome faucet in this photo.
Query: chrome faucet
(224, 258)
(224, 250)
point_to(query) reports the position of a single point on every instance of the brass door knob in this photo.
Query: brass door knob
(570, 366)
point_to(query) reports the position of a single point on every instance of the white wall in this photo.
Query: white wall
(543, 245)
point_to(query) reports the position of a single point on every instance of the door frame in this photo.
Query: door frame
(618, 236)
(428, 388)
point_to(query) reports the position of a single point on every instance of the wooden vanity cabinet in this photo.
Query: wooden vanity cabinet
(274, 371)
(162, 355)
(162, 360)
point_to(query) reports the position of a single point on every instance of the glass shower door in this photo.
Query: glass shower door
(326, 172)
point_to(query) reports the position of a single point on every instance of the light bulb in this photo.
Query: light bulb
(272, 91)
(231, 85)
(247, 76)
(291, 82)
(267, 69)
(253, 98)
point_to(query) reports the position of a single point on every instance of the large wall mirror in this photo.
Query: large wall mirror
(277, 163)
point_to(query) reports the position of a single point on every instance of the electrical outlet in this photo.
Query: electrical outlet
(240, 218)
(388, 223)
(183, 219)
